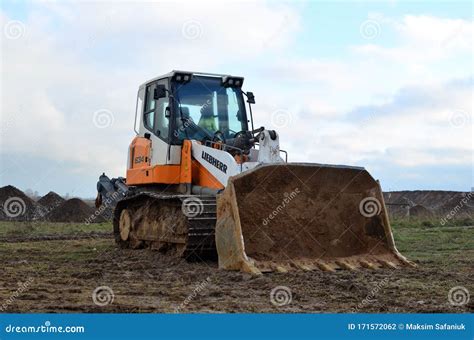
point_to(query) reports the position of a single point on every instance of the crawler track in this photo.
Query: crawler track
(180, 224)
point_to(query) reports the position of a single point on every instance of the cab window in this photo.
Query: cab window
(154, 116)
(149, 113)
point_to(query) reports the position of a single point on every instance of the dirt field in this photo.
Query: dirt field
(50, 267)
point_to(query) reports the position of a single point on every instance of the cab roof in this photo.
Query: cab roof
(172, 73)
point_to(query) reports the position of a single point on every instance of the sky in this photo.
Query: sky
(384, 85)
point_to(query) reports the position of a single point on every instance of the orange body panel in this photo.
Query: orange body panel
(204, 178)
(140, 149)
(186, 163)
(189, 171)
(158, 174)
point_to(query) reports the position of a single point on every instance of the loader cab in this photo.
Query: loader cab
(207, 107)
(181, 105)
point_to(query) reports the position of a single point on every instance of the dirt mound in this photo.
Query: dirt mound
(73, 210)
(51, 200)
(460, 206)
(106, 210)
(432, 199)
(419, 211)
(16, 206)
(398, 211)
(441, 203)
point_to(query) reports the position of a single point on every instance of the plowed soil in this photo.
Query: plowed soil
(61, 276)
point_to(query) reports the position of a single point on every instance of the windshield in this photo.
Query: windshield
(207, 107)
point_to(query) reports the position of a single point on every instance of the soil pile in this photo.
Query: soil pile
(51, 200)
(435, 203)
(105, 211)
(398, 211)
(16, 206)
(419, 211)
(460, 206)
(74, 210)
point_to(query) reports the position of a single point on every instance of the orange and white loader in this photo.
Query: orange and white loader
(201, 182)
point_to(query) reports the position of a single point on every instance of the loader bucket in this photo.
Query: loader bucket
(288, 216)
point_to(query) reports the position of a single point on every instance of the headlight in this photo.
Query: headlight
(229, 81)
(182, 77)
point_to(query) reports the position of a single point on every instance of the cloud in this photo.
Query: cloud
(423, 40)
(418, 126)
(425, 50)
(76, 59)
(199, 34)
(393, 104)
(407, 104)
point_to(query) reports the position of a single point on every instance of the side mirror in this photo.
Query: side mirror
(167, 112)
(160, 92)
(250, 98)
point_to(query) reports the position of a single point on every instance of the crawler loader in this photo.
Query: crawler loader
(202, 182)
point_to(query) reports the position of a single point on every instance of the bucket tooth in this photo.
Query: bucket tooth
(324, 266)
(405, 261)
(367, 264)
(312, 266)
(280, 269)
(388, 264)
(266, 270)
(264, 267)
(301, 265)
(345, 265)
(248, 267)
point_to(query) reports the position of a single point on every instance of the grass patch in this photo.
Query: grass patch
(58, 251)
(419, 240)
(431, 223)
(430, 241)
(50, 228)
